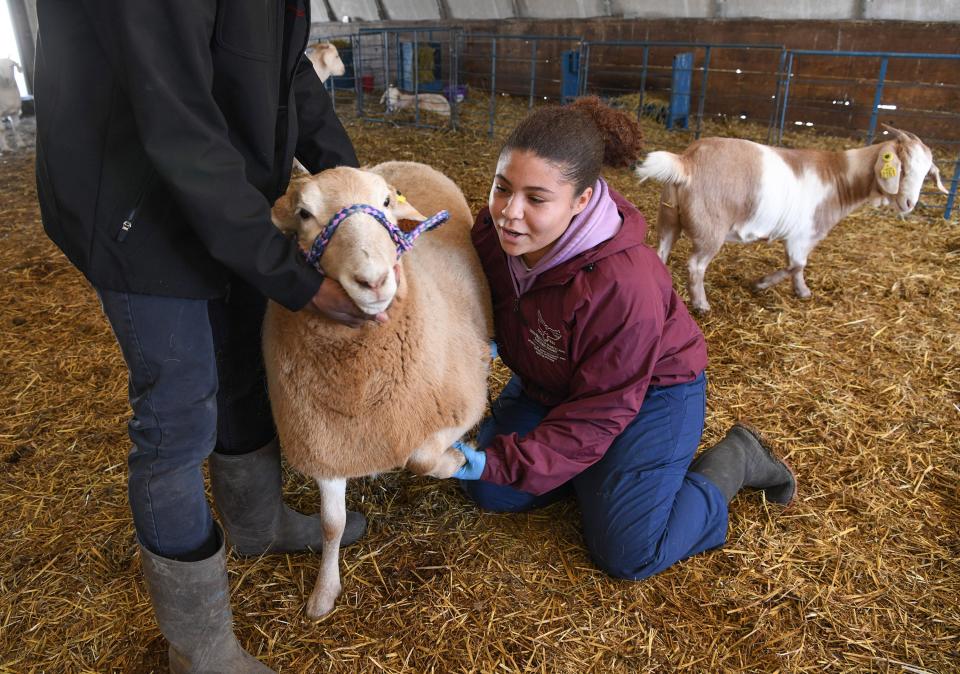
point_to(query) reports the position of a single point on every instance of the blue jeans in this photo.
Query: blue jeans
(196, 383)
(641, 510)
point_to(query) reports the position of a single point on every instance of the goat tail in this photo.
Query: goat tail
(664, 167)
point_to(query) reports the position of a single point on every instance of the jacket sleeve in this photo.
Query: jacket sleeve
(160, 55)
(613, 370)
(322, 142)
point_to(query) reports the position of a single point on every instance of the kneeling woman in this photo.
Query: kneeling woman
(607, 400)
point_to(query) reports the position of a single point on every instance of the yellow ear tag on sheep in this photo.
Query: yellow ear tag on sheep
(888, 170)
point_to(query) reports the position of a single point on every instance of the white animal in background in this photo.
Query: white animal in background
(395, 100)
(729, 189)
(326, 61)
(9, 101)
(355, 402)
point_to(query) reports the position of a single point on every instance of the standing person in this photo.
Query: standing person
(165, 132)
(607, 399)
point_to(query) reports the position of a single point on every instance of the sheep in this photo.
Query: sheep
(356, 402)
(326, 60)
(9, 101)
(729, 189)
(395, 100)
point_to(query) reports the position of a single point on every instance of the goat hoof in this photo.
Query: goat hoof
(701, 310)
(803, 294)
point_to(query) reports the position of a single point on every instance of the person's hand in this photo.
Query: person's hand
(476, 460)
(333, 302)
(494, 351)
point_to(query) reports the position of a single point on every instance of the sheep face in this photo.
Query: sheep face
(326, 61)
(361, 256)
(901, 168)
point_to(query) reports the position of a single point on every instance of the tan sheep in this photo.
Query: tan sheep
(326, 61)
(355, 402)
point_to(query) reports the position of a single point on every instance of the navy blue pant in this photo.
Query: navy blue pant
(642, 511)
(196, 384)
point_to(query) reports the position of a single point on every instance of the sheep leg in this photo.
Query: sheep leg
(704, 250)
(435, 457)
(333, 515)
(668, 221)
(14, 122)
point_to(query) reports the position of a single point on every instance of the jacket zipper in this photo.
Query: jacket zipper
(131, 217)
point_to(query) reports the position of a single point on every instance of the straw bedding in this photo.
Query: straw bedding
(858, 386)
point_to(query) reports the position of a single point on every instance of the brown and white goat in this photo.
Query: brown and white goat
(729, 189)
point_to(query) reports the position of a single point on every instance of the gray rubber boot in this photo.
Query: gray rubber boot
(247, 493)
(743, 459)
(192, 603)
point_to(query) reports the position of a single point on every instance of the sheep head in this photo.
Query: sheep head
(361, 256)
(902, 166)
(326, 61)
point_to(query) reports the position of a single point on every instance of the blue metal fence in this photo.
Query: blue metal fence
(845, 93)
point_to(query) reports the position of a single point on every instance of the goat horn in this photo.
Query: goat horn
(896, 132)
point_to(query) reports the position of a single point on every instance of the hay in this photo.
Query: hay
(859, 385)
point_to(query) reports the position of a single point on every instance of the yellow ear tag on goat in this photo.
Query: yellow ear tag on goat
(402, 199)
(888, 170)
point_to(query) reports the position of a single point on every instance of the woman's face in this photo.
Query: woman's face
(531, 204)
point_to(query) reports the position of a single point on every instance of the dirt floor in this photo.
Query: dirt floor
(859, 386)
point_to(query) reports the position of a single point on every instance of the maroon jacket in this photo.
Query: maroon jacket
(587, 340)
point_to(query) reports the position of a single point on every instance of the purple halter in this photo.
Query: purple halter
(403, 240)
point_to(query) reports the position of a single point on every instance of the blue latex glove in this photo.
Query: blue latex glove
(493, 349)
(476, 460)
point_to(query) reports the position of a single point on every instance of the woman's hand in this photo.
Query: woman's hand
(476, 460)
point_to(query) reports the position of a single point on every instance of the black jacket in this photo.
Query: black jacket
(166, 129)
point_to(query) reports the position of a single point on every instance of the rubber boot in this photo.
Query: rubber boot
(247, 493)
(743, 459)
(192, 603)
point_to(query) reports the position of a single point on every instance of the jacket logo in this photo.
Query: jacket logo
(546, 341)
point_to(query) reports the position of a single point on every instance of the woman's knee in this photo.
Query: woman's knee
(622, 556)
(498, 498)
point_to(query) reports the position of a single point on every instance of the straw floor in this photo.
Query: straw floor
(859, 386)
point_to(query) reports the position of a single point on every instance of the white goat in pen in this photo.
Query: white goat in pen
(395, 100)
(9, 102)
(729, 189)
(351, 403)
(326, 61)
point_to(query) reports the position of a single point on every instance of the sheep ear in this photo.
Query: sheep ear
(887, 169)
(402, 210)
(935, 172)
(284, 213)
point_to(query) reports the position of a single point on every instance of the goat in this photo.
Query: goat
(326, 61)
(9, 102)
(351, 403)
(395, 100)
(729, 189)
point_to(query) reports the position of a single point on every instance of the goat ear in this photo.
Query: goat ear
(935, 172)
(887, 169)
(402, 210)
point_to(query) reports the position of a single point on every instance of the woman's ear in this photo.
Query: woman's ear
(582, 201)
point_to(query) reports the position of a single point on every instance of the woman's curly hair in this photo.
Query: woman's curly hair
(579, 139)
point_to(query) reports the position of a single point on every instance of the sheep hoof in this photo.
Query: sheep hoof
(320, 604)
